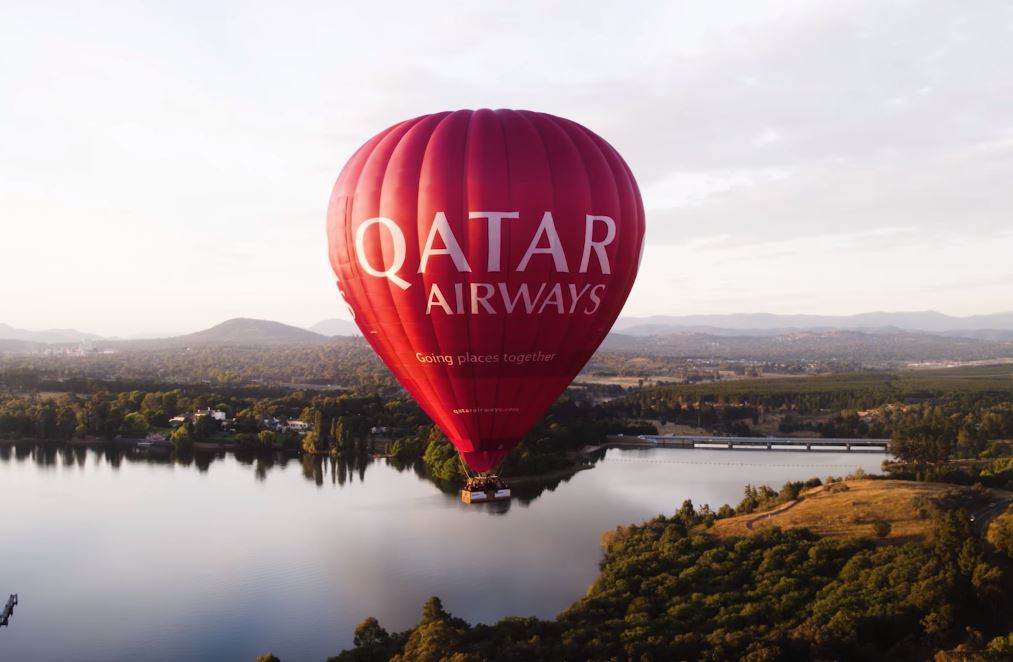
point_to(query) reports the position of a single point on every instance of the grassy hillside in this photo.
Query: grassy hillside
(851, 509)
(669, 591)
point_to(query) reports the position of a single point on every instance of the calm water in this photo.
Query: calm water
(122, 558)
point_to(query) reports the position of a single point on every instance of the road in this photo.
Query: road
(981, 518)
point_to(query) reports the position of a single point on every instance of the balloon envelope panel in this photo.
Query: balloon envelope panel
(485, 255)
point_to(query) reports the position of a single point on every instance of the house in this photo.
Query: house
(270, 423)
(297, 426)
(216, 414)
(177, 421)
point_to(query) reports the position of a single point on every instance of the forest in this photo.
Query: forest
(930, 416)
(669, 590)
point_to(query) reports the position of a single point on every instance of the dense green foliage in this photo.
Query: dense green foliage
(668, 591)
(341, 421)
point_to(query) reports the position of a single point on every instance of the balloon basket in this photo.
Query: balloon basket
(485, 488)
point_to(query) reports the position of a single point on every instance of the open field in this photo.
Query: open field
(895, 384)
(618, 380)
(850, 511)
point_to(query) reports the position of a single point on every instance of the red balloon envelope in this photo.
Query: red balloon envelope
(485, 255)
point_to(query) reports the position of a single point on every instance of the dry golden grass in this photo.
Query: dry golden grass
(850, 513)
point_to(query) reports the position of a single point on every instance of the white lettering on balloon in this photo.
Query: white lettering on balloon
(400, 251)
(494, 298)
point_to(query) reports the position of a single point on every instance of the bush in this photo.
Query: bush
(881, 528)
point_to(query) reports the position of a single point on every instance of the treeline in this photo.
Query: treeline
(344, 362)
(342, 418)
(338, 423)
(669, 591)
(851, 391)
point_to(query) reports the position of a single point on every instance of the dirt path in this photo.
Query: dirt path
(783, 507)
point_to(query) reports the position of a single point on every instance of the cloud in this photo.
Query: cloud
(189, 140)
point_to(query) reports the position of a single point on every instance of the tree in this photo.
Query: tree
(339, 433)
(433, 610)
(205, 426)
(181, 438)
(266, 438)
(134, 425)
(370, 633)
(1000, 533)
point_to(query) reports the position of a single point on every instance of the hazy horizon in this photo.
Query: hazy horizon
(619, 323)
(168, 168)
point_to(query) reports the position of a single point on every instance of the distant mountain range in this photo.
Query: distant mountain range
(8, 332)
(874, 336)
(997, 326)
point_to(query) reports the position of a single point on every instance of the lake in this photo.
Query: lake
(126, 555)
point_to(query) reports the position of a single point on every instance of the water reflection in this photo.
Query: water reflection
(214, 556)
(320, 470)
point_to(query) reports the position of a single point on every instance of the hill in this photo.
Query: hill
(238, 332)
(336, 327)
(245, 331)
(849, 509)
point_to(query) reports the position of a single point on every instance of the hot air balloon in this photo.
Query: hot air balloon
(485, 255)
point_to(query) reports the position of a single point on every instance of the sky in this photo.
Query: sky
(167, 166)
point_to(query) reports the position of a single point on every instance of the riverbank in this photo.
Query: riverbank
(673, 588)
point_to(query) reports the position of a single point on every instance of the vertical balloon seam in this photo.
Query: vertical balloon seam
(354, 165)
(503, 385)
(589, 194)
(471, 422)
(459, 428)
(331, 227)
(365, 302)
(464, 207)
(391, 343)
(524, 116)
(615, 159)
(432, 387)
(619, 193)
(621, 172)
(437, 386)
(496, 416)
(411, 384)
(638, 203)
(543, 389)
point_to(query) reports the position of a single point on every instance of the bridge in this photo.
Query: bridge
(765, 443)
